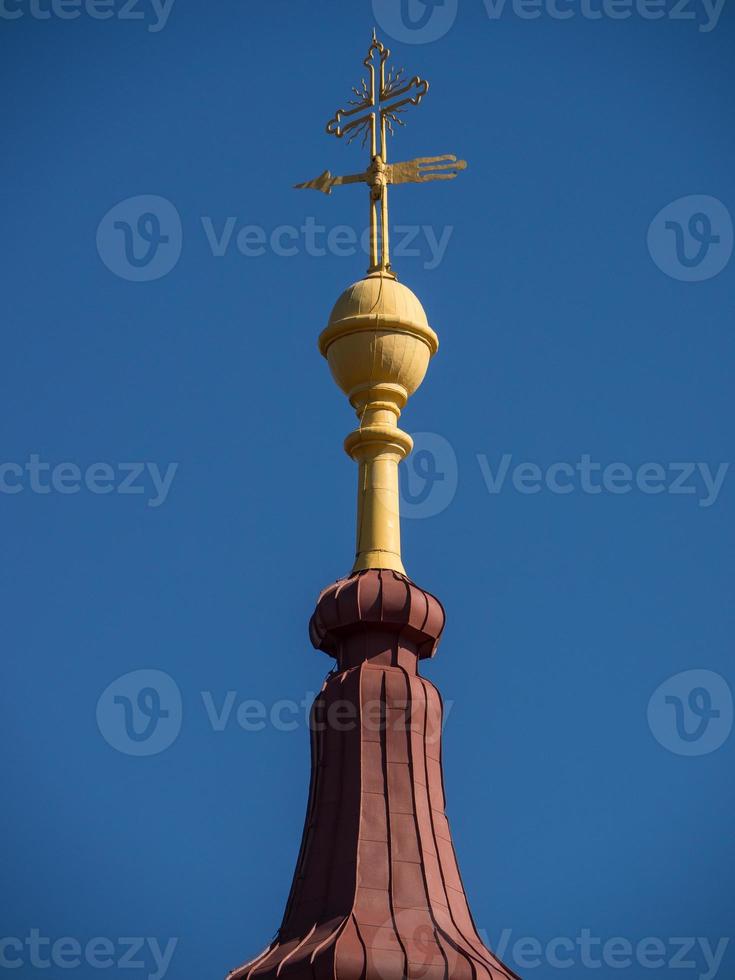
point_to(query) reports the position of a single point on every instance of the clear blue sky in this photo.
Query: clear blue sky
(567, 332)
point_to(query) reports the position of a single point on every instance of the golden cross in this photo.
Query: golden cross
(379, 103)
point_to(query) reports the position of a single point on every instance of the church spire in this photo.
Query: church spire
(377, 893)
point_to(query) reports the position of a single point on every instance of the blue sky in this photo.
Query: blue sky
(174, 492)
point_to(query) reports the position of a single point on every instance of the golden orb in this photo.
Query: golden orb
(378, 338)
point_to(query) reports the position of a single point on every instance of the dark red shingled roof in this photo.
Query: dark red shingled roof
(377, 893)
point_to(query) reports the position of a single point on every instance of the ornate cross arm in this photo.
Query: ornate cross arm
(392, 106)
(337, 127)
(386, 103)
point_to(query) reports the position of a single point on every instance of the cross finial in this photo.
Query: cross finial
(374, 114)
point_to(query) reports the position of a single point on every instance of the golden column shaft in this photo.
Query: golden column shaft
(378, 446)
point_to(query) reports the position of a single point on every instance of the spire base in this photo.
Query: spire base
(377, 893)
(389, 560)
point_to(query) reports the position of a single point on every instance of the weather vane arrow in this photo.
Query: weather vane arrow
(374, 112)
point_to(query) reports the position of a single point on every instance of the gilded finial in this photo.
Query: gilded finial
(378, 341)
(374, 113)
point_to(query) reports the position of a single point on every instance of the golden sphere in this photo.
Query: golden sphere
(378, 341)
